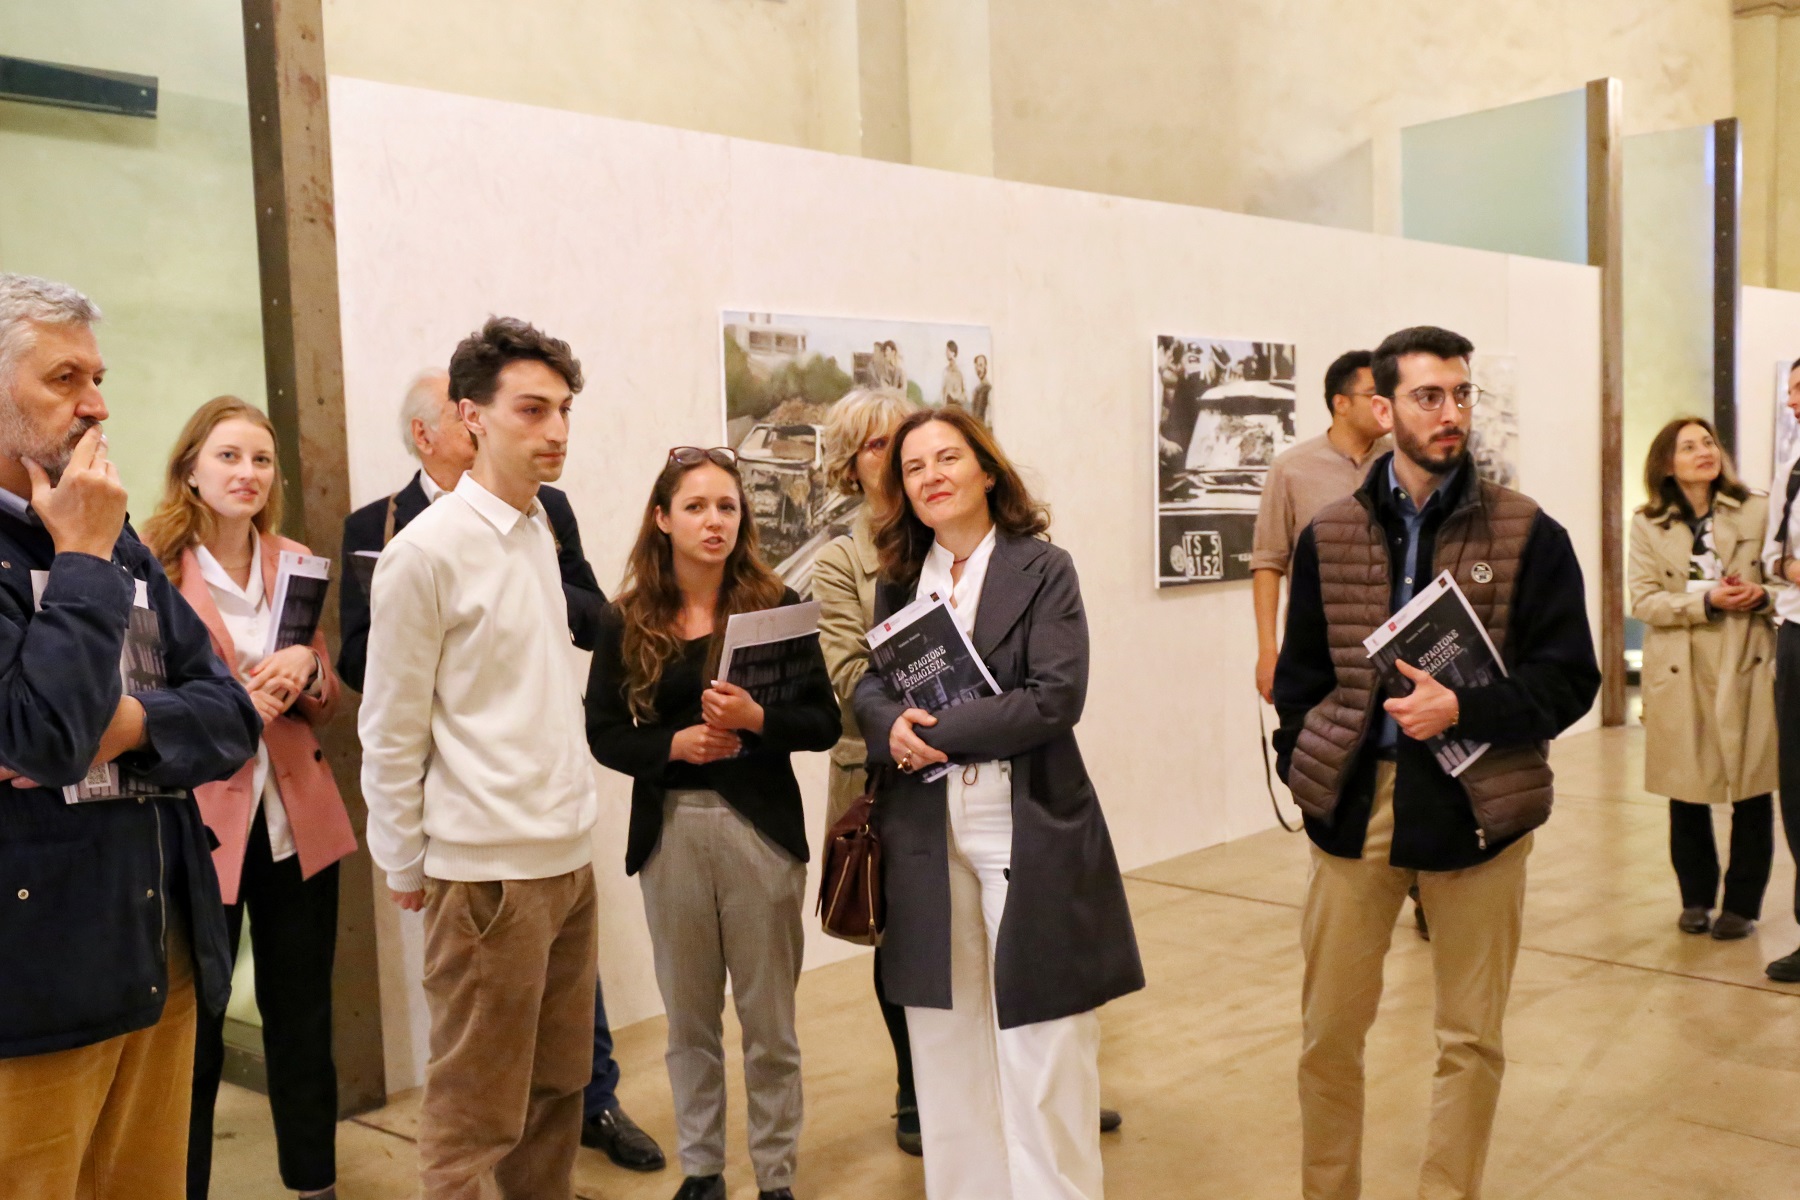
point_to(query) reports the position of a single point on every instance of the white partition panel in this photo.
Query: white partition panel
(1768, 334)
(629, 240)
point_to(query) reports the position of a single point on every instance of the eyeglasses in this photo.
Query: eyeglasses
(1430, 399)
(693, 456)
(876, 445)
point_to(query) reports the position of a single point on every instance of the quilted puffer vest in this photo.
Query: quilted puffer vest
(1480, 543)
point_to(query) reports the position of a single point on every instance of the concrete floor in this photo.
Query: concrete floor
(1643, 1063)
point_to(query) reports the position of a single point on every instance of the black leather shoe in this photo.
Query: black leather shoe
(1110, 1120)
(906, 1125)
(1730, 927)
(1694, 920)
(777, 1194)
(619, 1138)
(701, 1187)
(1785, 970)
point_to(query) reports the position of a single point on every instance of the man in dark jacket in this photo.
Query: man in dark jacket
(434, 435)
(112, 706)
(1382, 811)
(433, 432)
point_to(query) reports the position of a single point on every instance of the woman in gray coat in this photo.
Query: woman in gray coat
(1007, 924)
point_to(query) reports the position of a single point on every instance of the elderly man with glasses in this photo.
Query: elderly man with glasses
(1383, 814)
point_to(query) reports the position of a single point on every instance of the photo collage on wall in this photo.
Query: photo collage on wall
(783, 374)
(1494, 432)
(1223, 411)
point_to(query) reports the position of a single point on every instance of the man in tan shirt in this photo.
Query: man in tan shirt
(1304, 480)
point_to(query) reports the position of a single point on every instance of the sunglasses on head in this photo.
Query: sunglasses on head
(693, 456)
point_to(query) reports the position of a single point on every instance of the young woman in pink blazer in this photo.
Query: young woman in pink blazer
(280, 822)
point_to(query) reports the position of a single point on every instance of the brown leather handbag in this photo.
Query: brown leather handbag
(851, 905)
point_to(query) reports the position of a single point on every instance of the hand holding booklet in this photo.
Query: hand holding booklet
(1438, 632)
(298, 601)
(924, 655)
(771, 653)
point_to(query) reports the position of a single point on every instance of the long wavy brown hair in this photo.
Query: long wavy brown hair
(650, 600)
(903, 540)
(182, 520)
(1665, 495)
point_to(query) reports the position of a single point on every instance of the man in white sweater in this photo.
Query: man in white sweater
(479, 786)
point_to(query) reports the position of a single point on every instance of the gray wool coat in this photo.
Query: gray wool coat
(1066, 941)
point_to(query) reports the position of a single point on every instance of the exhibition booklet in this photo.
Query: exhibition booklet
(301, 582)
(141, 669)
(771, 653)
(924, 655)
(1438, 633)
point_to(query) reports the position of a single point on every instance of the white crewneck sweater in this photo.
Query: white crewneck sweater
(475, 758)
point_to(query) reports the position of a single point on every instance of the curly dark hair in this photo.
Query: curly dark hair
(479, 358)
(903, 540)
(1420, 339)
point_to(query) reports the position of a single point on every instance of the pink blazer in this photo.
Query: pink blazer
(321, 826)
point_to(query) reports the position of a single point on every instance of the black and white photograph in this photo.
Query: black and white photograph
(783, 373)
(1224, 410)
(1787, 429)
(1494, 434)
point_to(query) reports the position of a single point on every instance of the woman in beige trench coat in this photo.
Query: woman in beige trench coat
(1708, 673)
(856, 444)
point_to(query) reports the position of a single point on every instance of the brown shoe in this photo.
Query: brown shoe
(1730, 927)
(1694, 920)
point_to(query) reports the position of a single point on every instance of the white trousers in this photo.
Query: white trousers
(1007, 1114)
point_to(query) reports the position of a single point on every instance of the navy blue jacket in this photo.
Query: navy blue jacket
(87, 890)
(363, 530)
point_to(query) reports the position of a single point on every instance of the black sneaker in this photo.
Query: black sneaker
(1694, 920)
(1785, 970)
(1730, 927)
(701, 1187)
(619, 1138)
(1110, 1120)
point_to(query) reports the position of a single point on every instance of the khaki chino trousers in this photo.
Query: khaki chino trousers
(1351, 907)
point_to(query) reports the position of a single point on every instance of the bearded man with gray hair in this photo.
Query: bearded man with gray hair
(113, 707)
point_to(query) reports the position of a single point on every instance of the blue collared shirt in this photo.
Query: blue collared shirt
(16, 505)
(1412, 517)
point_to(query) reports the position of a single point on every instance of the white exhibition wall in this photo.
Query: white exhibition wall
(629, 239)
(1769, 334)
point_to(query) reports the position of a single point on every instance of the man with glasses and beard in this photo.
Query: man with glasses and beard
(1381, 812)
(111, 930)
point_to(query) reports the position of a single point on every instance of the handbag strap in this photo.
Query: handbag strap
(1269, 774)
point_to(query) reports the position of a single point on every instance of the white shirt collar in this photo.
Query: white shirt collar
(218, 578)
(497, 512)
(935, 576)
(428, 485)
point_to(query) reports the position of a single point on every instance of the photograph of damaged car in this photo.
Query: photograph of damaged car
(782, 374)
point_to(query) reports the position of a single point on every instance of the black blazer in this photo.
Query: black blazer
(1066, 940)
(87, 891)
(760, 785)
(364, 529)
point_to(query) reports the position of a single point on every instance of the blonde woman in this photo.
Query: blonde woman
(1708, 673)
(844, 576)
(280, 822)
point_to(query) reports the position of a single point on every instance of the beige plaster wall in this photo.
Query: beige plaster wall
(1767, 46)
(1291, 108)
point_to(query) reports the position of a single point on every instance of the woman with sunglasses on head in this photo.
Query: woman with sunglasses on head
(280, 822)
(856, 451)
(1709, 671)
(717, 827)
(1007, 924)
